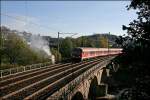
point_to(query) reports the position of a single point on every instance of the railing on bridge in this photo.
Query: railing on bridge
(67, 89)
(20, 69)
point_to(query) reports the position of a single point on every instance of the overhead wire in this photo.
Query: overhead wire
(26, 11)
(29, 22)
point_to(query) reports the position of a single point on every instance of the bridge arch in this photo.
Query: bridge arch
(92, 88)
(78, 96)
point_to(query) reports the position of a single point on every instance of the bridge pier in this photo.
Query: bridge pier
(101, 90)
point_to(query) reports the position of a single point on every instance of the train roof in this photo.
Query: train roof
(97, 49)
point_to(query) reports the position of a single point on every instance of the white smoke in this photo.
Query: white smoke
(39, 43)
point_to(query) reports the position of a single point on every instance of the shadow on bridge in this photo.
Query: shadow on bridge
(92, 90)
(104, 76)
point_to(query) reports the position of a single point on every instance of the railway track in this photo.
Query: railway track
(11, 79)
(41, 83)
(51, 88)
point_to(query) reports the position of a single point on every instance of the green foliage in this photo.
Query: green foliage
(87, 42)
(13, 46)
(79, 42)
(17, 52)
(66, 47)
(100, 42)
(84, 42)
(103, 42)
(139, 28)
(1, 39)
(139, 31)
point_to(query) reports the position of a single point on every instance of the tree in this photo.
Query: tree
(17, 51)
(66, 47)
(79, 42)
(1, 47)
(103, 42)
(12, 47)
(88, 42)
(84, 42)
(136, 57)
(139, 29)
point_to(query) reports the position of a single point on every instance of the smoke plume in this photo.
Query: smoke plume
(39, 43)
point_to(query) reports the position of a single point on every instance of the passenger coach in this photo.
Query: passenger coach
(80, 53)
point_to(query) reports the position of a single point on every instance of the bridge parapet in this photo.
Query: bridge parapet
(68, 90)
(10, 71)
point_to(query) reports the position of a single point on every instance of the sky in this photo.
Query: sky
(82, 17)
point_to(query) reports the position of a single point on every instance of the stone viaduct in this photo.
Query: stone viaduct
(88, 86)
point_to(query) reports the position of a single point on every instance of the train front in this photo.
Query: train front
(76, 54)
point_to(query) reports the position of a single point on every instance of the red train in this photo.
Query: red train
(80, 53)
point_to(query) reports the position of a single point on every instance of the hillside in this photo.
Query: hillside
(111, 38)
